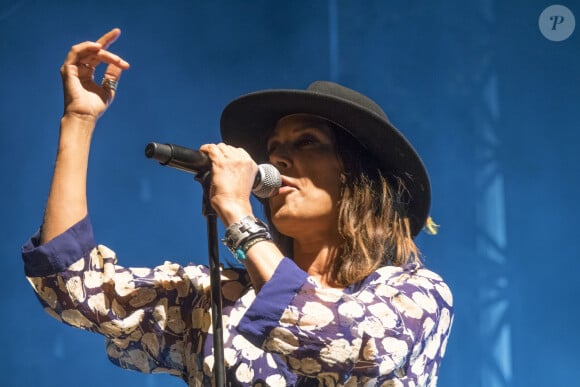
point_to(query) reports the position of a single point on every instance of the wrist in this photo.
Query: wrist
(233, 213)
(74, 140)
(243, 234)
(77, 126)
(79, 119)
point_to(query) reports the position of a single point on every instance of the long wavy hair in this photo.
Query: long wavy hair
(371, 217)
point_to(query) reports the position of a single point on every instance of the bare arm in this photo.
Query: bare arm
(84, 102)
(67, 203)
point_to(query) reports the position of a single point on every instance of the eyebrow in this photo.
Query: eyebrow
(313, 124)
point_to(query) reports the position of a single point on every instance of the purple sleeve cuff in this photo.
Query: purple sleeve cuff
(265, 312)
(59, 253)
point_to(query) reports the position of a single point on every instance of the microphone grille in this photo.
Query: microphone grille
(269, 181)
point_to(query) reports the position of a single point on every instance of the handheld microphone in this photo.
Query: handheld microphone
(267, 180)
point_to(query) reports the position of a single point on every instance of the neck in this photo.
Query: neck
(315, 256)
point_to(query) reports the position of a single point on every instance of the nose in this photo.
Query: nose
(280, 157)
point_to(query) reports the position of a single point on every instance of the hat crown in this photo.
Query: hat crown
(338, 91)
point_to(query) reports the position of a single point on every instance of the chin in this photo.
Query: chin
(282, 220)
(279, 209)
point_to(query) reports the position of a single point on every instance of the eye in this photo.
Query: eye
(305, 140)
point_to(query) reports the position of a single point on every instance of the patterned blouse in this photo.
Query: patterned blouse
(390, 329)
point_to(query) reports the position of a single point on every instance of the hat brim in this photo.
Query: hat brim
(247, 122)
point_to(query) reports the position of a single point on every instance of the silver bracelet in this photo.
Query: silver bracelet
(244, 230)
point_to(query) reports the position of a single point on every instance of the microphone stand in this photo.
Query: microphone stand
(215, 280)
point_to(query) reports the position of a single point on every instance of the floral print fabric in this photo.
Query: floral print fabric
(390, 329)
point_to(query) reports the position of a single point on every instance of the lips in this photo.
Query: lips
(287, 182)
(287, 185)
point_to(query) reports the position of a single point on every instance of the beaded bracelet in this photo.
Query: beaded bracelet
(241, 252)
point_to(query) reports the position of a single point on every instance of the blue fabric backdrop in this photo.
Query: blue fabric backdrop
(459, 78)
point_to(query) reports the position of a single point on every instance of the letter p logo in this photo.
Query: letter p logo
(557, 23)
(556, 20)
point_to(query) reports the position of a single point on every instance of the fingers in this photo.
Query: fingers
(221, 151)
(116, 64)
(83, 58)
(105, 56)
(87, 55)
(226, 157)
(82, 54)
(233, 175)
(109, 38)
(91, 53)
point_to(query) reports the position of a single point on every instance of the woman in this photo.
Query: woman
(332, 294)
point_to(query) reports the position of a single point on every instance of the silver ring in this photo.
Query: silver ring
(109, 83)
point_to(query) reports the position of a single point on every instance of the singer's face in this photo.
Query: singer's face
(302, 147)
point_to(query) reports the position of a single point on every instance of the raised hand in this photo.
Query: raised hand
(83, 97)
(84, 102)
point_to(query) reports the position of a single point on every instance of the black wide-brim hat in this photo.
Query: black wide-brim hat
(247, 122)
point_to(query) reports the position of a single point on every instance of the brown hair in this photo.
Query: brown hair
(372, 217)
